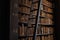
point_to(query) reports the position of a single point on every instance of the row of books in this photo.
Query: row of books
(49, 37)
(23, 30)
(24, 2)
(23, 18)
(47, 3)
(42, 21)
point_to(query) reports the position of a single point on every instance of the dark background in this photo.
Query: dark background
(5, 19)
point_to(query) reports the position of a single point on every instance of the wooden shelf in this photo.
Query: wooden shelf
(47, 12)
(23, 13)
(34, 10)
(35, 2)
(47, 6)
(20, 5)
(43, 34)
(25, 23)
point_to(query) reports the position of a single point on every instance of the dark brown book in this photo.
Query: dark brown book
(21, 18)
(39, 30)
(46, 30)
(22, 30)
(24, 10)
(52, 38)
(35, 0)
(51, 30)
(46, 37)
(30, 31)
(38, 38)
(32, 21)
(45, 8)
(28, 3)
(30, 38)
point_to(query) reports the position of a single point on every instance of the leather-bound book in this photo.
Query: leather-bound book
(38, 38)
(35, 6)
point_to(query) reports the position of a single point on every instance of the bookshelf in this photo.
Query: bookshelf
(35, 20)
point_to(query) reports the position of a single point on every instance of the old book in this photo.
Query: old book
(43, 14)
(32, 21)
(49, 16)
(30, 38)
(34, 12)
(50, 21)
(21, 18)
(24, 10)
(52, 38)
(35, 0)
(43, 37)
(49, 4)
(28, 3)
(49, 37)
(46, 3)
(43, 30)
(22, 30)
(46, 30)
(30, 31)
(22, 39)
(43, 21)
(35, 6)
(39, 30)
(45, 8)
(50, 10)
(51, 30)
(26, 18)
(38, 38)
(46, 38)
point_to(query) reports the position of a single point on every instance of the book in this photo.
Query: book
(43, 38)
(45, 8)
(32, 21)
(46, 30)
(47, 3)
(30, 31)
(28, 3)
(34, 12)
(35, 0)
(51, 30)
(35, 6)
(43, 14)
(30, 38)
(22, 30)
(24, 10)
(50, 10)
(52, 38)
(24, 2)
(43, 30)
(21, 18)
(49, 16)
(43, 21)
(38, 30)
(46, 38)
(38, 38)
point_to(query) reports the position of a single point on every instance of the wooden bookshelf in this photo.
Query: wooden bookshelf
(27, 20)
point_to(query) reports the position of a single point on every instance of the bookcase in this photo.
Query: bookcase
(35, 20)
